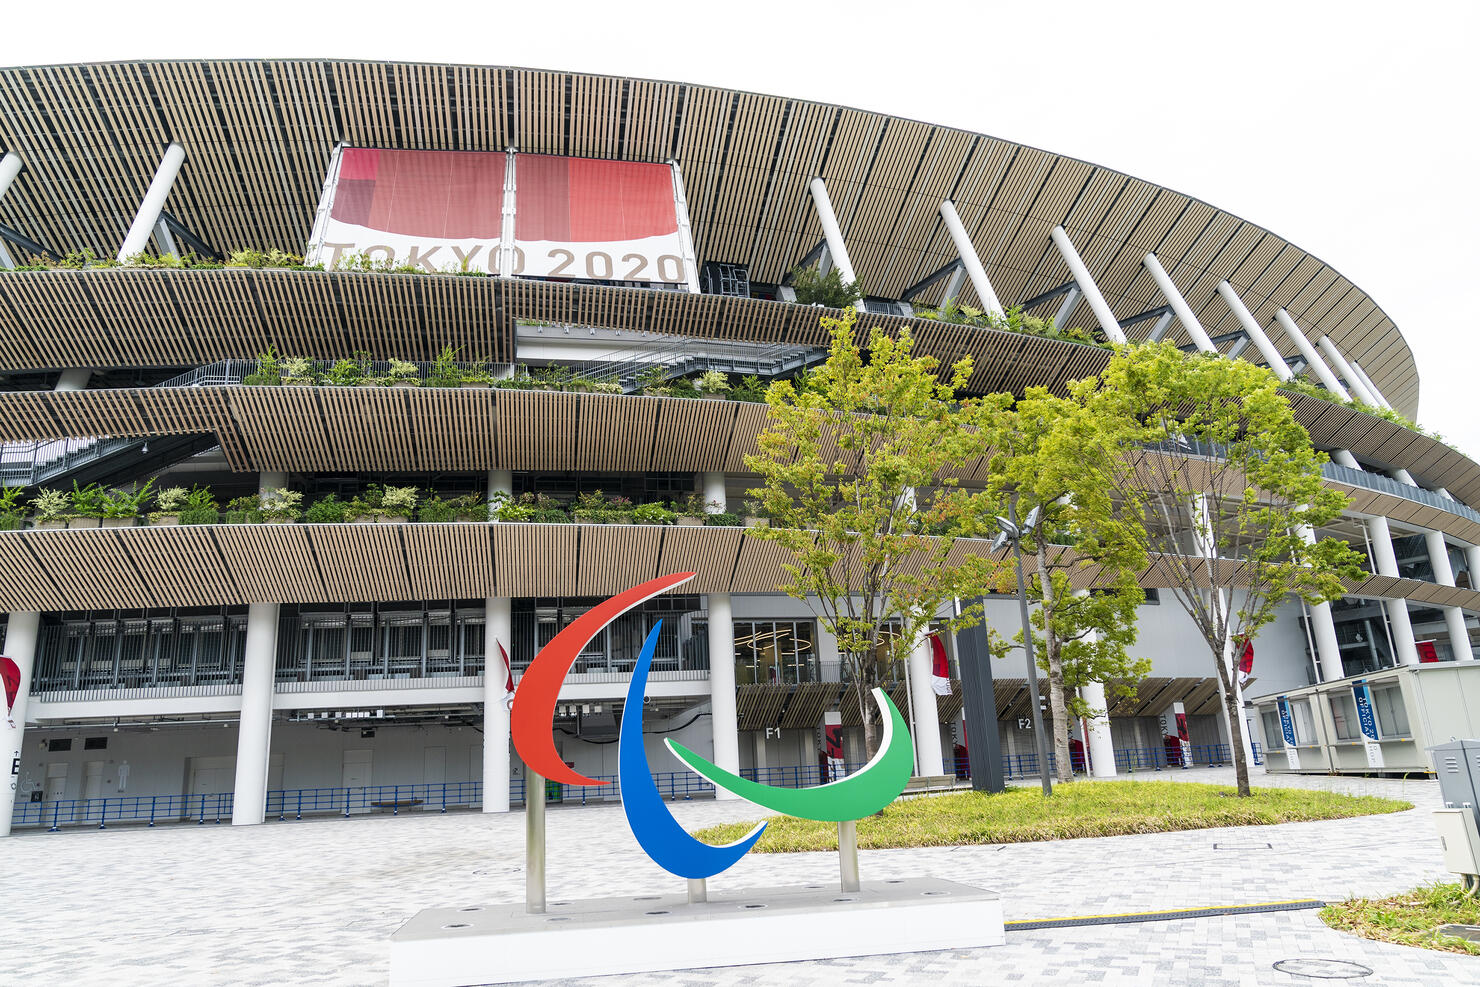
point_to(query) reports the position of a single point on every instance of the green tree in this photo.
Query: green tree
(851, 461)
(1059, 457)
(1230, 492)
(814, 288)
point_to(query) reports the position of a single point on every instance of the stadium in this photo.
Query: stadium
(533, 268)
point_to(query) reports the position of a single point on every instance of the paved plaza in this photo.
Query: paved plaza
(314, 902)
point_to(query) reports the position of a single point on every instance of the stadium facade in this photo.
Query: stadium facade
(639, 232)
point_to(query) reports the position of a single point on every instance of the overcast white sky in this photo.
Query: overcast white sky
(1348, 128)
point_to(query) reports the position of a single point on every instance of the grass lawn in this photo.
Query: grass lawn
(1084, 808)
(1410, 919)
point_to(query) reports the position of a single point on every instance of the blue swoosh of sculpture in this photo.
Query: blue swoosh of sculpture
(668, 843)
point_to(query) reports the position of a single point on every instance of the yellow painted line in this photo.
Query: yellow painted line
(1167, 911)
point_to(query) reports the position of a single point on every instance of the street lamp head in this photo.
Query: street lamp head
(999, 541)
(1032, 519)
(1009, 530)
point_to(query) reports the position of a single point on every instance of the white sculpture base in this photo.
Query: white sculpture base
(501, 944)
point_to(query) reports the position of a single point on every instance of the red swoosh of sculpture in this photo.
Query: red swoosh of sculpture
(533, 714)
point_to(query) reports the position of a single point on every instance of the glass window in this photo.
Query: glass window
(775, 652)
(1274, 737)
(1344, 715)
(1305, 727)
(1392, 717)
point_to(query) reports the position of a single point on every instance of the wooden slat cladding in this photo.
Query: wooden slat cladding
(314, 429)
(259, 134)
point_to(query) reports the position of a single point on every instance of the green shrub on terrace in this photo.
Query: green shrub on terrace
(827, 289)
(722, 520)
(243, 510)
(328, 509)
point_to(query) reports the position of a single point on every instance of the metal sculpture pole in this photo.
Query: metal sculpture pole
(534, 842)
(698, 890)
(848, 854)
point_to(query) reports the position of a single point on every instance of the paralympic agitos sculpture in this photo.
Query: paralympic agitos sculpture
(874, 786)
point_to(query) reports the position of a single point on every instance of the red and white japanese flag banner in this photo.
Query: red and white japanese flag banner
(434, 210)
(1245, 662)
(599, 220)
(940, 667)
(443, 211)
(10, 673)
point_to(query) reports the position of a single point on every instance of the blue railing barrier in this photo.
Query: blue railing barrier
(295, 803)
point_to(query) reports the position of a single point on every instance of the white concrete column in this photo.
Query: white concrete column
(20, 647)
(1385, 562)
(1472, 560)
(926, 728)
(1403, 476)
(499, 482)
(969, 257)
(1101, 748)
(723, 719)
(1343, 457)
(713, 487)
(1367, 382)
(159, 189)
(498, 629)
(833, 233)
(1312, 357)
(259, 672)
(1454, 617)
(1261, 341)
(1353, 382)
(1328, 648)
(10, 166)
(73, 379)
(1087, 285)
(762, 757)
(1179, 305)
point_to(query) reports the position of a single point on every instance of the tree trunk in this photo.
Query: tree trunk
(1236, 738)
(1057, 709)
(870, 729)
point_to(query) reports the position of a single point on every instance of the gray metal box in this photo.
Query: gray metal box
(1457, 764)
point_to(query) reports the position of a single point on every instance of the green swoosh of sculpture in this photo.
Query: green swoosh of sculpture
(876, 784)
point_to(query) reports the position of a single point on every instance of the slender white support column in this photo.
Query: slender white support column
(499, 482)
(926, 728)
(713, 485)
(833, 233)
(1261, 341)
(1179, 305)
(259, 671)
(20, 646)
(497, 630)
(153, 204)
(1403, 476)
(723, 719)
(10, 166)
(1343, 457)
(1087, 285)
(1367, 382)
(73, 379)
(1328, 648)
(1353, 382)
(967, 252)
(1312, 357)
(1101, 748)
(1472, 562)
(1385, 562)
(1454, 617)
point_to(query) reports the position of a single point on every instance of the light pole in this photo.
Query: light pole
(1012, 533)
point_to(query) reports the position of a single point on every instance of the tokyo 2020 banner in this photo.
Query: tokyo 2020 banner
(443, 211)
(873, 787)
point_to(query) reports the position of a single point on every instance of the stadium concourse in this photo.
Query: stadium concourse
(535, 267)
